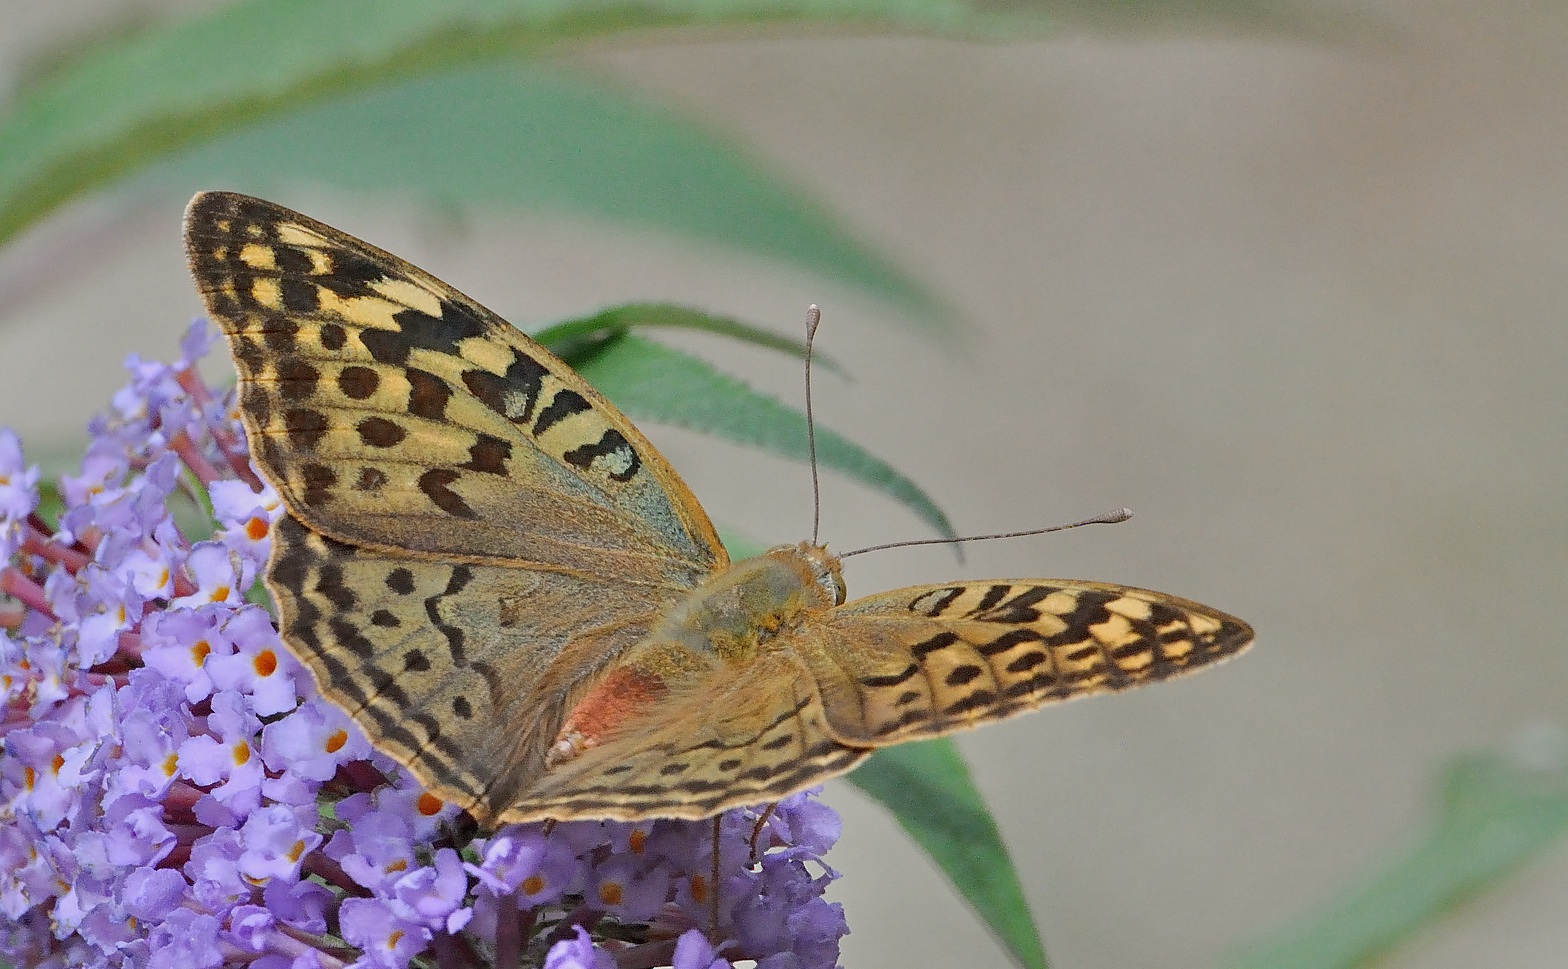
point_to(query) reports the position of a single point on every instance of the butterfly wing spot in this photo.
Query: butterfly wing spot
(379, 432)
(428, 394)
(436, 484)
(934, 603)
(964, 674)
(358, 383)
(489, 455)
(619, 459)
(510, 390)
(370, 480)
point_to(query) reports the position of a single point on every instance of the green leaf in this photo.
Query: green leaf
(515, 138)
(618, 319)
(927, 787)
(114, 109)
(654, 382)
(1493, 816)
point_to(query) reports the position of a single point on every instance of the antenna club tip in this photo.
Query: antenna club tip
(1119, 515)
(813, 317)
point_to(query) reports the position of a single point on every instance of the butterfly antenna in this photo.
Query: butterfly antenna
(1109, 518)
(813, 317)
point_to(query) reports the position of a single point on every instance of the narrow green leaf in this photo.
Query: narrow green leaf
(503, 137)
(927, 787)
(618, 319)
(654, 382)
(121, 105)
(1493, 816)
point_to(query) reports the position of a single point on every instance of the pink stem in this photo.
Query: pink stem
(199, 465)
(131, 645)
(329, 961)
(455, 952)
(362, 775)
(647, 955)
(233, 449)
(37, 543)
(187, 834)
(190, 381)
(331, 872)
(508, 933)
(285, 943)
(25, 590)
(103, 679)
(182, 797)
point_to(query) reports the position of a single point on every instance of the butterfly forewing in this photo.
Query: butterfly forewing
(930, 660)
(390, 410)
(474, 533)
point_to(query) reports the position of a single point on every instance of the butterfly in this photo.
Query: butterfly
(492, 571)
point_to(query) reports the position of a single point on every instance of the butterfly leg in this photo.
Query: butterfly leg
(756, 831)
(713, 891)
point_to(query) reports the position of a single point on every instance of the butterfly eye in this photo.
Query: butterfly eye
(832, 582)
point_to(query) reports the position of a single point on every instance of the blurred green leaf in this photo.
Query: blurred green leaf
(1493, 815)
(525, 138)
(927, 787)
(654, 382)
(618, 319)
(121, 105)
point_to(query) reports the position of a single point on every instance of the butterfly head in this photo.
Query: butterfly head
(823, 565)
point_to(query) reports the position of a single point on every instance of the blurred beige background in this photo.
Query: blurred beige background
(1301, 302)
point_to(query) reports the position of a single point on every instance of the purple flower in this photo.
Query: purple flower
(312, 742)
(629, 887)
(434, 895)
(176, 794)
(578, 952)
(694, 951)
(150, 893)
(386, 938)
(523, 861)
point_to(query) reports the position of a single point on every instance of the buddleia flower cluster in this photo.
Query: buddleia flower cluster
(175, 793)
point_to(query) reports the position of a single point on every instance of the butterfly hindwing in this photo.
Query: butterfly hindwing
(392, 411)
(929, 660)
(462, 671)
(729, 741)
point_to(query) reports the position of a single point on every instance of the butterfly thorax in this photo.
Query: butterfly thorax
(726, 623)
(734, 615)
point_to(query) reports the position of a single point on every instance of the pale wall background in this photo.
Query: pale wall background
(1298, 301)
